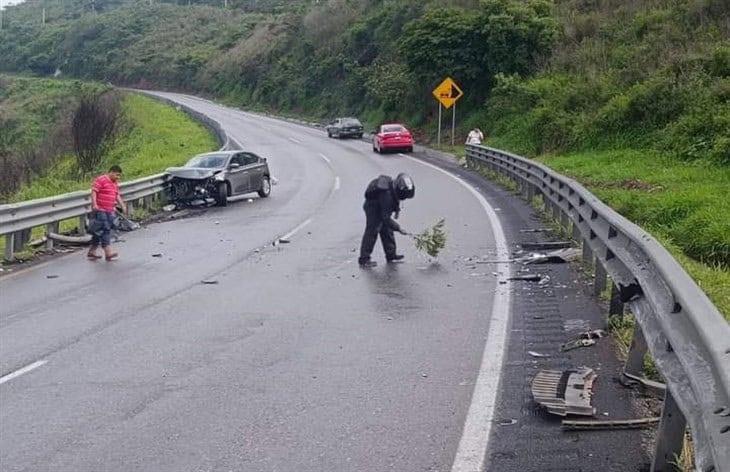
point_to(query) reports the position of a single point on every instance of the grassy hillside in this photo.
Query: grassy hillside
(632, 98)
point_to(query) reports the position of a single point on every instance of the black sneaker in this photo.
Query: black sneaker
(367, 264)
(396, 258)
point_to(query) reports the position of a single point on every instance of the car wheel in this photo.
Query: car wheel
(358, 136)
(265, 189)
(410, 149)
(329, 134)
(221, 198)
(375, 149)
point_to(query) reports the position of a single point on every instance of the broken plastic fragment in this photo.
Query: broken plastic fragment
(566, 392)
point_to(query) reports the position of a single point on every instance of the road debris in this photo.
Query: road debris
(157, 254)
(169, 208)
(544, 281)
(432, 240)
(284, 241)
(209, 282)
(52, 276)
(585, 339)
(546, 245)
(566, 392)
(77, 240)
(559, 256)
(507, 422)
(599, 425)
(537, 354)
(537, 230)
(527, 278)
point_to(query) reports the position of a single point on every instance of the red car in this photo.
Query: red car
(392, 137)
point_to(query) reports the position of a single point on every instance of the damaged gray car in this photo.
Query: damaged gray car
(216, 176)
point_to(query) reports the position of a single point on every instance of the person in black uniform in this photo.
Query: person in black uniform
(382, 200)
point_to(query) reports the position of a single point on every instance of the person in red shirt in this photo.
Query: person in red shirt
(104, 199)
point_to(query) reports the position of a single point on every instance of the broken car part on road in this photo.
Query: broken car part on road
(566, 392)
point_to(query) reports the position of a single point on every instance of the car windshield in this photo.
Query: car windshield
(351, 122)
(208, 161)
(393, 129)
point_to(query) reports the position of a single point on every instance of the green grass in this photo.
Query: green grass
(159, 136)
(683, 205)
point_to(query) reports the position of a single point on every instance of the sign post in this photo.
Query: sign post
(447, 93)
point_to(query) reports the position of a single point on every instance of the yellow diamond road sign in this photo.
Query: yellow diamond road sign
(447, 92)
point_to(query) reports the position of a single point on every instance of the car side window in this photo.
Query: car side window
(249, 158)
(237, 159)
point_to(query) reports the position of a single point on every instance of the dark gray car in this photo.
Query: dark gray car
(345, 127)
(219, 175)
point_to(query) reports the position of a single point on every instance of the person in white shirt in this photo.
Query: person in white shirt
(475, 136)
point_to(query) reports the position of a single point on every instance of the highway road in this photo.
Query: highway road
(295, 360)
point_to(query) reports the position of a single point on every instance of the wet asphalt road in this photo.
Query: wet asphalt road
(295, 360)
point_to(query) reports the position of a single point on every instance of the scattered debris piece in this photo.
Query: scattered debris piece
(537, 354)
(527, 278)
(546, 245)
(576, 343)
(250, 200)
(584, 339)
(559, 256)
(209, 282)
(424, 375)
(274, 181)
(507, 422)
(157, 254)
(544, 281)
(537, 230)
(284, 241)
(566, 392)
(598, 425)
(169, 208)
(62, 238)
(38, 242)
(51, 276)
(216, 222)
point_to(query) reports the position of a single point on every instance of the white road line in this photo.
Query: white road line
(19, 372)
(294, 140)
(325, 158)
(337, 184)
(297, 229)
(472, 450)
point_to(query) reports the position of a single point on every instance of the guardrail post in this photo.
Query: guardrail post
(616, 307)
(21, 239)
(576, 232)
(50, 228)
(564, 220)
(671, 436)
(635, 360)
(9, 246)
(82, 224)
(599, 281)
(587, 253)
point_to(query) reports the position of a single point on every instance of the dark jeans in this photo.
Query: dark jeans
(374, 226)
(100, 228)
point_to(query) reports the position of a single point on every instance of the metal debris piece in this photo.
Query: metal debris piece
(507, 422)
(170, 207)
(209, 282)
(546, 245)
(62, 238)
(576, 343)
(284, 241)
(538, 230)
(158, 254)
(544, 281)
(527, 278)
(559, 256)
(566, 392)
(584, 339)
(598, 425)
(537, 354)
(52, 276)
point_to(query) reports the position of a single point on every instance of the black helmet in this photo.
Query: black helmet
(404, 186)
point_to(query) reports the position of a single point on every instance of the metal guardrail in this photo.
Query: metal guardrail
(17, 219)
(685, 333)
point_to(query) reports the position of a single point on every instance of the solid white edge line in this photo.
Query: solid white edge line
(337, 184)
(19, 372)
(294, 140)
(325, 158)
(472, 450)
